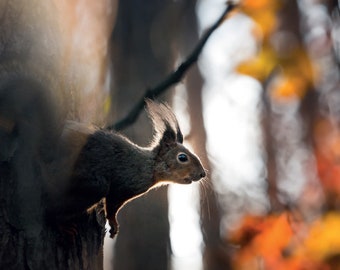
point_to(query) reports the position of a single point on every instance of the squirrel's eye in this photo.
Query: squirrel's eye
(182, 157)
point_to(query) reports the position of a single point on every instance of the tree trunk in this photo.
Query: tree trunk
(36, 97)
(214, 255)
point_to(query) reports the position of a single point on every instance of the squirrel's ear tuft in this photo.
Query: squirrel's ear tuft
(164, 121)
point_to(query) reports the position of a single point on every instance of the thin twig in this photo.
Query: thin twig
(172, 78)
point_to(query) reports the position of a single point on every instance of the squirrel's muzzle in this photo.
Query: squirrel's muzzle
(198, 176)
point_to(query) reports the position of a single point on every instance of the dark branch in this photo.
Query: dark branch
(172, 78)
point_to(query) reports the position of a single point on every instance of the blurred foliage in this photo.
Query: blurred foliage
(290, 72)
(286, 241)
(277, 53)
(263, 12)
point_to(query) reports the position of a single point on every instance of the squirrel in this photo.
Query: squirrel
(108, 165)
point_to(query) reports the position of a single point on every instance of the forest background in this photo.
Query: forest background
(261, 108)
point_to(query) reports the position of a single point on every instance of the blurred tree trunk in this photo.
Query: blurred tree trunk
(141, 57)
(36, 96)
(276, 128)
(321, 106)
(214, 255)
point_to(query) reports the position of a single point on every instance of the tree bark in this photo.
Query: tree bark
(35, 99)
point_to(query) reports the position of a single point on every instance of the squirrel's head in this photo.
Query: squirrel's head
(174, 162)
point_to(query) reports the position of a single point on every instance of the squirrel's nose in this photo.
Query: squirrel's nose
(203, 174)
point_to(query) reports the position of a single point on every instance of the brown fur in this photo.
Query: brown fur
(111, 166)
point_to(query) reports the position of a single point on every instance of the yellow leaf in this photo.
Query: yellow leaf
(261, 66)
(323, 240)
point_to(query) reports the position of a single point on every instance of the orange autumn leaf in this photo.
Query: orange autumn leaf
(268, 237)
(297, 76)
(251, 5)
(288, 87)
(265, 23)
(250, 227)
(265, 227)
(275, 236)
(264, 14)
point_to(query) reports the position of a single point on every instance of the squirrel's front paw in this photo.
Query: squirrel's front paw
(113, 232)
(114, 227)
